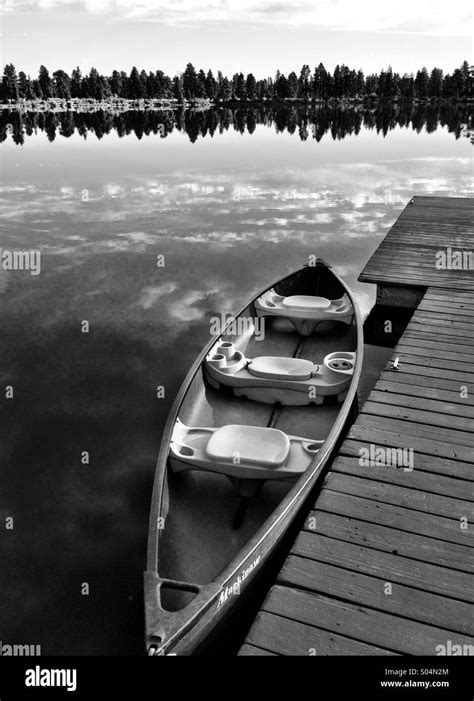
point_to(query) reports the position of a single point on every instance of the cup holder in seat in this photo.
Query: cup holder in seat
(186, 451)
(234, 358)
(313, 447)
(340, 364)
(227, 352)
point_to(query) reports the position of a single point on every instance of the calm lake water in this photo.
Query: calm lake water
(230, 214)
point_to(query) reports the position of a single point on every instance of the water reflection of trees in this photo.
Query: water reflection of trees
(313, 123)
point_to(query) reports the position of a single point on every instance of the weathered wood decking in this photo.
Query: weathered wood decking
(385, 561)
(407, 255)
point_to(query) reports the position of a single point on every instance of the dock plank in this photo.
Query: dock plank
(432, 361)
(424, 463)
(281, 634)
(400, 496)
(423, 380)
(460, 443)
(391, 540)
(373, 592)
(408, 477)
(435, 351)
(419, 416)
(387, 566)
(361, 623)
(394, 516)
(418, 397)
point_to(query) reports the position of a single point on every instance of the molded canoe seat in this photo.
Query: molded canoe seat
(241, 452)
(305, 303)
(270, 379)
(253, 444)
(279, 368)
(305, 312)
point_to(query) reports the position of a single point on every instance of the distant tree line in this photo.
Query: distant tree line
(193, 85)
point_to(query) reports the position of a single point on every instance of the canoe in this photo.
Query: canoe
(251, 430)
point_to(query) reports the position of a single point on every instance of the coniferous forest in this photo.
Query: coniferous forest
(194, 85)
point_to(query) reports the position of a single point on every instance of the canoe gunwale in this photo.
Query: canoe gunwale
(178, 623)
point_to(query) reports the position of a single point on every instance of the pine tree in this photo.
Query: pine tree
(421, 84)
(105, 87)
(178, 92)
(467, 80)
(166, 85)
(76, 82)
(226, 90)
(135, 88)
(62, 84)
(270, 88)
(304, 82)
(211, 86)
(144, 84)
(263, 90)
(386, 87)
(38, 93)
(251, 87)
(435, 84)
(46, 83)
(219, 90)
(396, 92)
(320, 83)
(124, 80)
(94, 87)
(371, 85)
(201, 84)
(407, 87)
(9, 87)
(25, 87)
(189, 82)
(345, 81)
(281, 86)
(351, 83)
(337, 82)
(292, 85)
(240, 87)
(153, 85)
(116, 84)
(360, 84)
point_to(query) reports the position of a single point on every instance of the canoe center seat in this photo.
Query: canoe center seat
(305, 312)
(253, 445)
(286, 380)
(278, 368)
(305, 303)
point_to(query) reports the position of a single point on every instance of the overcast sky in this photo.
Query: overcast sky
(235, 35)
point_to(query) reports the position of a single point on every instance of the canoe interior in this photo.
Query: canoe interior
(199, 540)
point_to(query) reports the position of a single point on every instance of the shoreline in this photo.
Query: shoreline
(119, 105)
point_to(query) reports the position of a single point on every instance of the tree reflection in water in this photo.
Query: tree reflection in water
(310, 123)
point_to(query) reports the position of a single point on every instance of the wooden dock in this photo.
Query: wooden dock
(427, 227)
(385, 561)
